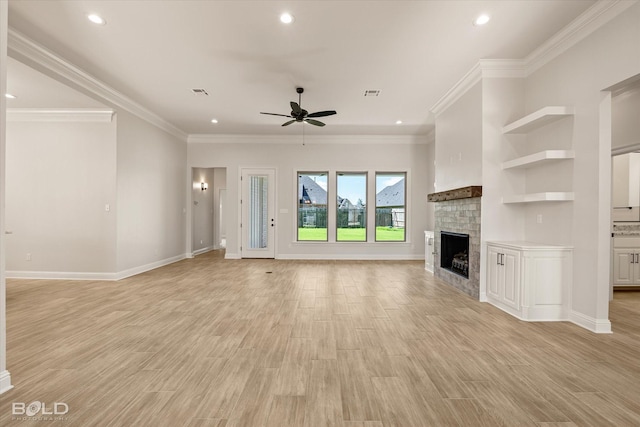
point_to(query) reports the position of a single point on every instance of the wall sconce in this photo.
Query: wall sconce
(204, 186)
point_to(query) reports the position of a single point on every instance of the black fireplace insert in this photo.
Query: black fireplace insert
(454, 252)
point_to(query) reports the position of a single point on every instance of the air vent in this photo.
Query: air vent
(199, 92)
(371, 92)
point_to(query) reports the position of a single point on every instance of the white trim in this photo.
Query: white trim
(67, 275)
(589, 21)
(5, 381)
(151, 266)
(599, 326)
(59, 115)
(232, 255)
(202, 251)
(353, 257)
(309, 139)
(60, 275)
(28, 51)
(469, 80)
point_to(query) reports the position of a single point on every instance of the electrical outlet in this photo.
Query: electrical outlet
(200, 241)
(28, 257)
(539, 219)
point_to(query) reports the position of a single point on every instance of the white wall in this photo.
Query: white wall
(202, 207)
(459, 142)
(60, 176)
(576, 78)
(625, 110)
(320, 154)
(431, 184)
(5, 377)
(151, 166)
(219, 217)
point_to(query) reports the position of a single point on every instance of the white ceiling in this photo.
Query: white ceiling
(155, 52)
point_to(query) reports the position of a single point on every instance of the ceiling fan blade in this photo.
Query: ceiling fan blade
(295, 107)
(274, 114)
(314, 122)
(322, 113)
(288, 123)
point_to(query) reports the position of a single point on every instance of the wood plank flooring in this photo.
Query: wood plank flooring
(214, 342)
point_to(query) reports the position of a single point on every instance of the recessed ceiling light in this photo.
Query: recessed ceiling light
(96, 19)
(481, 20)
(398, 122)
(286, 18)
(214, 121)
(8, 95)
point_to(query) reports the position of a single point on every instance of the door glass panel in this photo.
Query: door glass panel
(258, 187)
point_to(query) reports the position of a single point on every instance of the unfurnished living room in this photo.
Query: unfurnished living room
(320, 213)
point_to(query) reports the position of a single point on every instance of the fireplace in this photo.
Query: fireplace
(454, 252)
(458, 212)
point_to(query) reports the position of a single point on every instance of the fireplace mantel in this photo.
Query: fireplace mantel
(458, 193)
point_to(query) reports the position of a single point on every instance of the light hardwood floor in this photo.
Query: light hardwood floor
(214, 342)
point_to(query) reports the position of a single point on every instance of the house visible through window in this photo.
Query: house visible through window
(351, 213)
(312, 206)
(390, 207)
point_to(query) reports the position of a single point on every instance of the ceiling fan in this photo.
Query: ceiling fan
(300, 115)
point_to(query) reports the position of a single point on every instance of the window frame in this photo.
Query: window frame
(366, 205)
(405, 174)
(298, 175)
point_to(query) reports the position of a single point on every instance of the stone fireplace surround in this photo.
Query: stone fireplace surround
(458, 211)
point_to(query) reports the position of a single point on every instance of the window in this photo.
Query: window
(351, 212)
(390, 207)
(312, 206)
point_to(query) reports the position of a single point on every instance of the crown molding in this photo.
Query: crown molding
(60, 115)
(28, 51)
(473, 76)
(308, 139)
(589, 21)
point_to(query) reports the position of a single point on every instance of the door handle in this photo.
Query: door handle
(633, 258)
(637, 258)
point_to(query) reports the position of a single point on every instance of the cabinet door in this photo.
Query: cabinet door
(493, 273)
(623, 266)
(511, 267)
(636, 268)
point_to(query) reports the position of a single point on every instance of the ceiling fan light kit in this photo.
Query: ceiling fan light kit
(298, 114)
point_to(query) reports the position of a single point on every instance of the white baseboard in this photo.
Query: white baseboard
(60, 275)
(203, 250)
(72, 275)
(353, 257)
(231, 255)
(151, 266)
(5, 381)
(599, 326)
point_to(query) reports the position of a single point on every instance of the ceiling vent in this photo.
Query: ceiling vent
(199, 92)
(371, 92)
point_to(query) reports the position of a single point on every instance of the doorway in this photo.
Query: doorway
(258, 213)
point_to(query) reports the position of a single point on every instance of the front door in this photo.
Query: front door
(258, 213)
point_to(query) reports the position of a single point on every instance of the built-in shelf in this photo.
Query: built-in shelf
(538, 119)
(538, 158)
(550, 196)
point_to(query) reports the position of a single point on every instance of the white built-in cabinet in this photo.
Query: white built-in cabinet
(626, 261)
(533, 121)
(530, 281)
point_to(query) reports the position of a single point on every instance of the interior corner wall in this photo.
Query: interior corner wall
(625, 123)
(59, 180)
(151, 215)
(336, 153)
(202, 209)
(219, 206)
(431, 187)
(458, 149)
(577, 78)
(5, 376)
